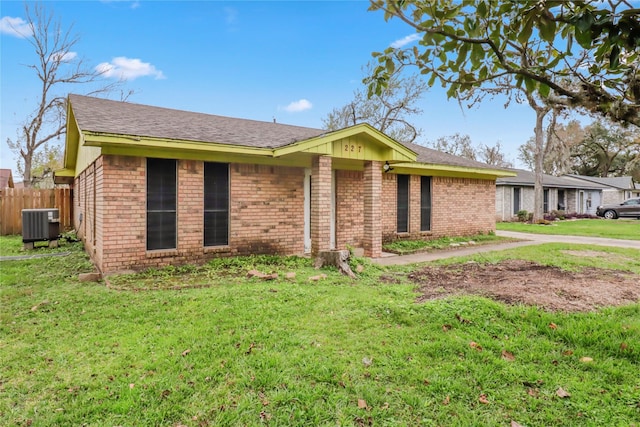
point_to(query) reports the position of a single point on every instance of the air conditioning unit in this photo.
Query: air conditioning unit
(40, 225)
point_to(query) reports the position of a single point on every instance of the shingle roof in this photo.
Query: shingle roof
(620, 182)
(431, 156)
(527, 179)
(124, 118)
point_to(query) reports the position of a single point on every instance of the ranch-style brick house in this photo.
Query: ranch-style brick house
(154, 186)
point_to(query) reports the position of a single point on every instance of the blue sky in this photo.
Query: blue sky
(294, 61)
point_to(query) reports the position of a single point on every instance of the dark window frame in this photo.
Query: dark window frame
(162, 203)
(562, 200)
(402, 203)
(425, 203)
(517, 200)
(545, 200)
(217, 189)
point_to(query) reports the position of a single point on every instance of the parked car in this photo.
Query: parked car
(630, 207)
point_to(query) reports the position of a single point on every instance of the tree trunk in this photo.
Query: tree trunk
(538, 192)
(26, 175)
(339, 259)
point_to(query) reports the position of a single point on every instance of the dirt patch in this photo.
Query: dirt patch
(525, 282)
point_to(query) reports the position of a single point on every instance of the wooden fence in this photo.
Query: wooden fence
(13, 200)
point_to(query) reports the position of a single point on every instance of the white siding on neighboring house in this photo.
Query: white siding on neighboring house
(588, 201)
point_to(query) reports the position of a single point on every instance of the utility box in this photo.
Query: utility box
(40, 225)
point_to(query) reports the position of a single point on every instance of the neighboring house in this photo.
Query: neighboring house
(154, 186)
(516, 193)
(615, 189)
(6, 179)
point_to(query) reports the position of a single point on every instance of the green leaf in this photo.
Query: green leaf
(462, 54)
(583, 38)
(477, 55)
(482, 10)
(547, 28)
(529, 84)
(584, 22)
(483, 72)
(527, 29)
(544, 90)
(614, 58)
(390, 66)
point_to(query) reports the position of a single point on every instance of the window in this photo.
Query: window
(516, 200)
(545, 202)
(403, 204)
(216, 204)
(561, 200)
(161, 204)
(425, 203)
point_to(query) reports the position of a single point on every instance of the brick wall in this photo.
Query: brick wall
(459, 207)
(349, 209)
(320, 204)
(462, 206)
(266, 213)
(124, 220)
(389, 206)
(372, 189)
(267, 209)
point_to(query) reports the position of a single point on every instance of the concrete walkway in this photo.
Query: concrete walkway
(526, 239)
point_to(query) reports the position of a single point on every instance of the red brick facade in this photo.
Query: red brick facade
(266, 210)
(349, 209)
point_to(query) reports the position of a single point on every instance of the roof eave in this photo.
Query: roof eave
(450, 170)
(117, 142)
(403, 152)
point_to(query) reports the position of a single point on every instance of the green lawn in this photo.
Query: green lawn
(628, 229)
(235, 351)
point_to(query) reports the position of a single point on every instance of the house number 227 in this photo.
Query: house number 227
(352, 148)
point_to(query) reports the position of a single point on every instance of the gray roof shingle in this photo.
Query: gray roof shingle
(527, 178)
(124, 118)
(431, 156)
(620, 182)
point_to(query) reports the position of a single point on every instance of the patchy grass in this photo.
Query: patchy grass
(13, 246)
(567, 256)
(628, 229)
(404, 247)
(294, 352)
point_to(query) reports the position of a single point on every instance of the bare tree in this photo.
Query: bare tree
(457, 144)
(57, 67)
(493, 155)
(461, 145)
(389, 112)
(560, 143)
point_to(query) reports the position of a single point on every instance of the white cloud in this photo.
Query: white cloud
(16, 27)
(63, 57)
(134, 4)
(124, 68)
(298, 106)
(405, 41)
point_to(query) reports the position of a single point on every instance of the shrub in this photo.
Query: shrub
(522, 215)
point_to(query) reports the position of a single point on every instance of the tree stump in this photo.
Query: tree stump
(338, 259)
